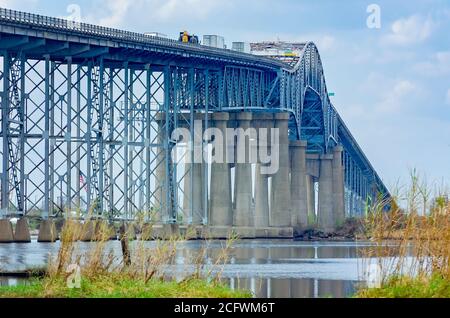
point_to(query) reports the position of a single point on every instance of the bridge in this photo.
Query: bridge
(87, 118)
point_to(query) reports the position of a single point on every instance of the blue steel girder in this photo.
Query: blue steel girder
(296, 87)
(114, 73)
(304, 93)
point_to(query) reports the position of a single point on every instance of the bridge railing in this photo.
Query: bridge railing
(116, 34)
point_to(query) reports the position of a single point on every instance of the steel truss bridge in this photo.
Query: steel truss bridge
(81, 105)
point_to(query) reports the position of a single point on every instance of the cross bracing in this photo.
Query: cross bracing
(87, 113)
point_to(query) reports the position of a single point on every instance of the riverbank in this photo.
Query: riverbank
(405, 287)
(351, 230)
(419, 265)
(121, 286)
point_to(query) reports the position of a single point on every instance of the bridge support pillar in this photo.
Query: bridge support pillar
(193, 194)
(311, 199)
(281, 193)
(47, 232)
(243, 176)
(299, 193)
(161, 204)
(194, 187)
(221, 203)
(22, 232)
(262, 207)
(326, 220)
(338, 186)
(6, 231)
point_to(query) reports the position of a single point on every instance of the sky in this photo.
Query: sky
(392, 83)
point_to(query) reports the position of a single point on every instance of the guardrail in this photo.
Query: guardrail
(37, 20)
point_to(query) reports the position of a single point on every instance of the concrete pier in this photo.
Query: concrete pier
(262, 198)
(262, 211)
(289, 207)
(194, 179)
(281, 193)
(244, 177)
(97, 230)
(22, 232)
(221, 203)
(88, 231)
(6, 232)
(193, 194)
(47, 232)
(326, 219)
(311, 199)
(338, 186)
(161, 198)
(171, 231)
(299, 194)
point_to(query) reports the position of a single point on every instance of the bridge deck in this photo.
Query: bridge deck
(83, 40)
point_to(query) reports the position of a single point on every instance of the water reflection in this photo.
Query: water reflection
(294, 288)
(270, 269)
(10, 281)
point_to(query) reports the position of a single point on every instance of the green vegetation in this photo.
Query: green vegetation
(140, 272)
(412, 245)
(405, 287)
(120, 286)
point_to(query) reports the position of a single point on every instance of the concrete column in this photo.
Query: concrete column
(311, 198)
(193, 198)
(281, 193)
(262, 210)
(338, 186)
(47, 232)
(6, 231)
(88, 231)
(171, 232)
(326, 217)
(97, 230)
(221, 205)
(22, 233)
(243, 178)
(299, 199)
(160, 204)
(194, 187)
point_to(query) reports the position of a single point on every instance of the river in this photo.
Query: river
(269, 268)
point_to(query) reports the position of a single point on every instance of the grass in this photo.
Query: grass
(120, 286)
(412, 245)
(141, 271)
(407, 287)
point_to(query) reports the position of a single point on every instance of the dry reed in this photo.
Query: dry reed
(411, 242)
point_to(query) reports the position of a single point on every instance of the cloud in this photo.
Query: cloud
(196, 8)
(438, 65)
(7, 3)
(384, 97)
(117, 13)
(18, 4)
(393, 101)
(412, 30)
(326, 43)
(118, 10)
